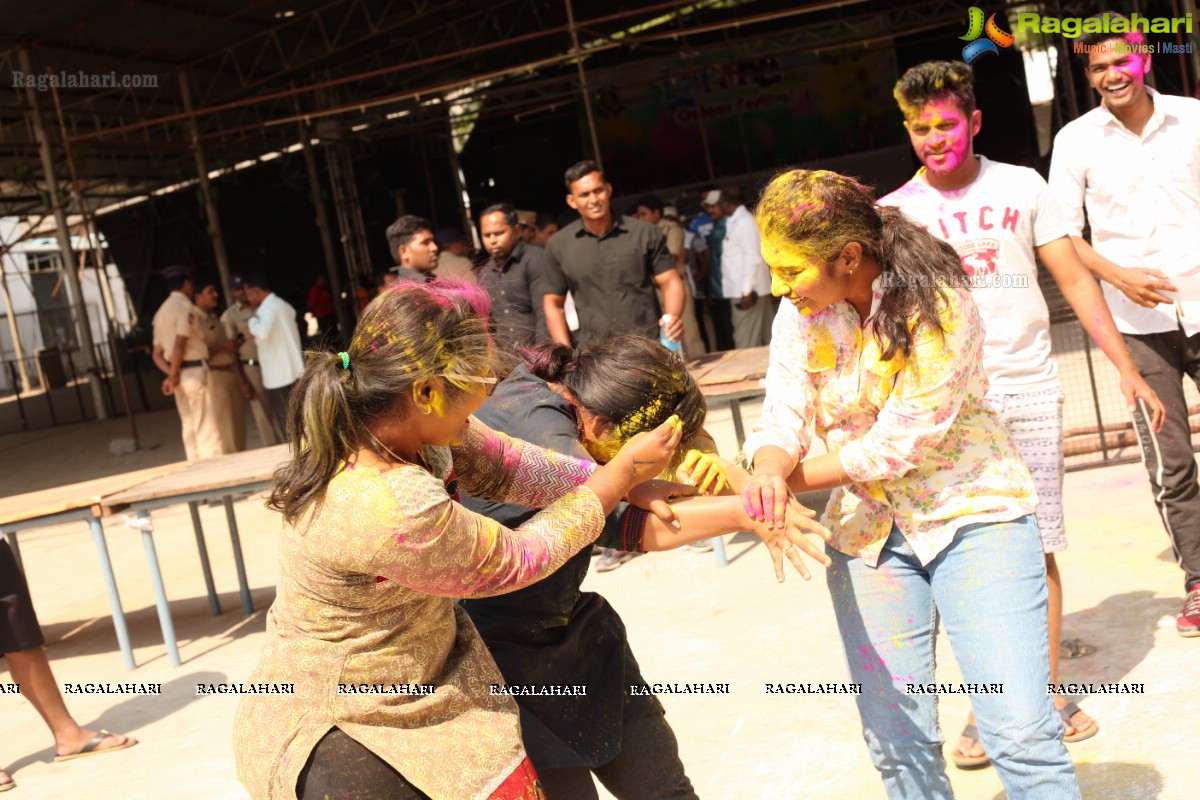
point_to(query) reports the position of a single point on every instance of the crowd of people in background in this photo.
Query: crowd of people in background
(935, 392)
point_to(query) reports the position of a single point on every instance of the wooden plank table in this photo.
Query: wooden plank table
(221, 477)
(79, 501)
(731, 376)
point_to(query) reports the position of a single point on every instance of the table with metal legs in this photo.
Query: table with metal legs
(223, 478)
(71, 503)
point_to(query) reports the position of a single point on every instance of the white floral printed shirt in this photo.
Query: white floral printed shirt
(924, 450)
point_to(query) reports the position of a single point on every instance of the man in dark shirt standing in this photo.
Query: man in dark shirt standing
(512, 276)
(611, 265)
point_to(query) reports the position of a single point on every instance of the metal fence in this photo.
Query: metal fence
(1097, 429)
(58, 393)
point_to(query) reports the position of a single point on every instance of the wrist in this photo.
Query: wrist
(1129, 373)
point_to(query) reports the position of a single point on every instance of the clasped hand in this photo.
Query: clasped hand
(788, 536)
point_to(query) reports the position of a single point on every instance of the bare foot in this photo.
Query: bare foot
(5, 778)
(971, 748)
(72, 744)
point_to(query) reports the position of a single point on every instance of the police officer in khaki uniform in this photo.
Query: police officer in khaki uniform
(236, 327)
(227, 384)
(180, 352)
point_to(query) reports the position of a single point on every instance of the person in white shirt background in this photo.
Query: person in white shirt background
(997, 216)
(274, 329)
(745, 278)
(1133, 164)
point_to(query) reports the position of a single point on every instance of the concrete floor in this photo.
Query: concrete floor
(688, 621)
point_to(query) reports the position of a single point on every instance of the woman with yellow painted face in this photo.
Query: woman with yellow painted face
(590, 402)
(878, 349)
(390, 681)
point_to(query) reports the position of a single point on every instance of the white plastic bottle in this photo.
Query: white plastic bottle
(665, 340)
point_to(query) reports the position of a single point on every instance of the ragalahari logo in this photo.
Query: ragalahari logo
(976, 28)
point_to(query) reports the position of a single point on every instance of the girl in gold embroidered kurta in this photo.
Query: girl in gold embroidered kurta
(915, 425)
(335, 624)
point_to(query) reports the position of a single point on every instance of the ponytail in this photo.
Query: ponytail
(409, 333)
(550, 360)
(321, 432)
(917, 269)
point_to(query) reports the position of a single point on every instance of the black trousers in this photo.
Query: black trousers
(341, 768)
(19, 629)
(647, 768)
(1163, 359)
(722, 317)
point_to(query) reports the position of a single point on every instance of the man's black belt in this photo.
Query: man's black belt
(252, 362)
(186, 364)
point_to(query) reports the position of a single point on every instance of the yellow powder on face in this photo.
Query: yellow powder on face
(603, 450)
(779, 251)
(440, 403)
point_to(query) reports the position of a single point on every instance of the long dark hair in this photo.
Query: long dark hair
(819, 212)
(410, 332)
(633, 381)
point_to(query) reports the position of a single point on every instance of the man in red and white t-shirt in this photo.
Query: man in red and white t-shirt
(997, 216)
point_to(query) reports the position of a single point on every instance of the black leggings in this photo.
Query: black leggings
(647, 768)
(341, 767)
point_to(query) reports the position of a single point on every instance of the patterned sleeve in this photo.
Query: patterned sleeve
(440, 548)
(929, 393)
(789, 406)
(496, 467)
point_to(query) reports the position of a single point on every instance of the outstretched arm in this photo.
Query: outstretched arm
(494, 466)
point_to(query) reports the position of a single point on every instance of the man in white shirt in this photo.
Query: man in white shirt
(273, 326)
(236, 321)
(745, 278)
(996, 216)
(1133, 164)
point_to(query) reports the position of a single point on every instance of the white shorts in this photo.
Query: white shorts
(1035, 422)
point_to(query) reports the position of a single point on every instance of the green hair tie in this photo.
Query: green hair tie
(345, 358)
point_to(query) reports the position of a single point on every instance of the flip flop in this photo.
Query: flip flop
(963, 761)
(89, 749)
(1070, 710)
(7, 787)
(1074, 648)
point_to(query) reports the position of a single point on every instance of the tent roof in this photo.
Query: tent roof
(257, 69)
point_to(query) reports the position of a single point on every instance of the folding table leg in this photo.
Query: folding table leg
(739, 430)
(114, 599)
(214, 604)
(160, 599)
(718, 543)
(247, 602)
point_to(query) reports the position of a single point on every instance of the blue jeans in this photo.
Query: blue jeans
(989, 586)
